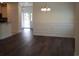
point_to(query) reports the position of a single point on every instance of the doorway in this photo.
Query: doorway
(26, 16)
(26, 20)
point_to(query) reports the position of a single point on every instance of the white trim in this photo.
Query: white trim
(53, 34)
(3, 37)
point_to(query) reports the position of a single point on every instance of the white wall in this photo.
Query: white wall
(59, 22)
(13, 17)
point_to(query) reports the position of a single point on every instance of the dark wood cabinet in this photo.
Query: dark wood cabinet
(3, 12)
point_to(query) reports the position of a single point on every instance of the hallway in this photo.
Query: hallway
(25, 44)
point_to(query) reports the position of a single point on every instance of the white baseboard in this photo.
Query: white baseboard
(3, 37)
(53, 34)
(9, 35)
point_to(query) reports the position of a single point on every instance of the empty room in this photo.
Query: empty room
(39, 29)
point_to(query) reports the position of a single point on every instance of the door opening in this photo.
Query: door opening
(26, 16)
(26, 20)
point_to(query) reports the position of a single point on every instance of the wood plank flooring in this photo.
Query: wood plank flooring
(25, 44)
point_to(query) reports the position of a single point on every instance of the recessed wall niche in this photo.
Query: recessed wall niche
(3, 12)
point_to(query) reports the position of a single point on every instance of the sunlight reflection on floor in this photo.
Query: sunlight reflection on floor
(27, 34)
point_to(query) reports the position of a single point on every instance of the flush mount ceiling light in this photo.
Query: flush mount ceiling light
(45, 8)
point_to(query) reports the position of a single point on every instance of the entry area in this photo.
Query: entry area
(26, 17)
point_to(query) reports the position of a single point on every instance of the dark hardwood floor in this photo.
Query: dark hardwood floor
(25, 44)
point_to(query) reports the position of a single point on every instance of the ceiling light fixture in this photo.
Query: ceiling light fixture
(45, 8)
